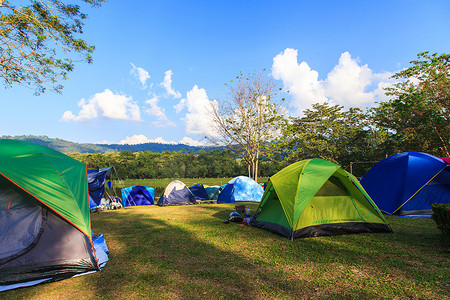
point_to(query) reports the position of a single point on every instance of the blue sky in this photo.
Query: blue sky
(158, 64)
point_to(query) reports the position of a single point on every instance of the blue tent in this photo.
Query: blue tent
(96, 181)
(241, 189)
(176, 193)
(199, 192)
(408, 183)
(214, 191)
(92, 204)
(138, 195)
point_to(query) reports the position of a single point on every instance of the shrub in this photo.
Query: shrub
(441, 215)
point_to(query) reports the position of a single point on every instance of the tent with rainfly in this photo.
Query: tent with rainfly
(96, 181)
(199, 192)
(213, 191)
(408, 183)
(315, 197)
(241, 189)
(138, 195)
(176, 193)
(45, 229)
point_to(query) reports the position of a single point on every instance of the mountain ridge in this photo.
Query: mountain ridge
(73, 147)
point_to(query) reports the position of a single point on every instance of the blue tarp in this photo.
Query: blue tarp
(138, 195)
(96, 181)
(241, 189)
(408, 183)
(199, 192)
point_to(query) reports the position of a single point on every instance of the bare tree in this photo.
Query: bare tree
(248, 119)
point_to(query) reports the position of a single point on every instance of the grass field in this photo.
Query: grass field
(186, 252)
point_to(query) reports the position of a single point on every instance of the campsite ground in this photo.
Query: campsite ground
(186, 252)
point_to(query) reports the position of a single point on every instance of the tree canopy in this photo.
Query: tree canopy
(418, 115)
(39, 42)
(249, 119)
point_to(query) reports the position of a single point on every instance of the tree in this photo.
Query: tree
(39, 42)
(331, 133)
(418, 115)
(248, 119)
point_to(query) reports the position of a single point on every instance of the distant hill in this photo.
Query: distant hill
(71, 147)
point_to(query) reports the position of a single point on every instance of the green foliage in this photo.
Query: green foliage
(38, 42)
(330, 133)
(418, 115)
(441, 215)
(178, 164)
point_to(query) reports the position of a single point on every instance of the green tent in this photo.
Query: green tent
(315, 197)
(45, 231)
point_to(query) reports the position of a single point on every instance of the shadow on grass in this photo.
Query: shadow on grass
(188, 253)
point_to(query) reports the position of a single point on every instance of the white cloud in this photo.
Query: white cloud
(198, 118)
(349, 83)
(140, 73)
(142, 139)
(190, 142)
(299, 79)
(167, 84)
(154, 109)
(105, 105)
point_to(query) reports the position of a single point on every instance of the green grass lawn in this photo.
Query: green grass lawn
(186, 252)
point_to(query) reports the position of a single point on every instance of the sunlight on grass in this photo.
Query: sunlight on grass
(186, 252)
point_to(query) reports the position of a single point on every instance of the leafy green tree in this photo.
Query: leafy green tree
(39, 42)
(249, 119)
(418, 115)
(329, 132)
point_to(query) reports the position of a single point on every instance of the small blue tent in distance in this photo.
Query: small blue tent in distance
(176, 193)
(138, 195)
(241, 189)
(408, 183)
(199, 192)
(214, 191)
(96, 182)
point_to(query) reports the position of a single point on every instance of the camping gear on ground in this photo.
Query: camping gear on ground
(408, 183)
(214, 191)
(97, 179)
(235, 217)
(240, 209)
(241, 189)
(199, 192)
(138, 195)
(176, 193)
(45, 229)
(316, 197)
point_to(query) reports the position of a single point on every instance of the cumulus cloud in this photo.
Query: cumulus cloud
(198, 119)
(167, 84)
(348, 84)
(142, 139)
(154, 109)
(105, 105)
(140, 74)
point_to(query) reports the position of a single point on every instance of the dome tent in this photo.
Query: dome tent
(45, 230)
(315, 197)
(241, 189)
(138, 195)
(408, 183)
(199, 192)
(176, 193)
